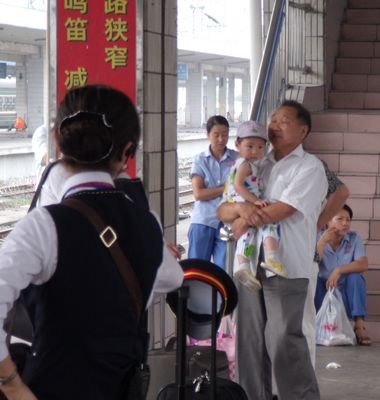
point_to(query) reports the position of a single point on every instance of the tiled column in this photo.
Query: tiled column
(160, 129)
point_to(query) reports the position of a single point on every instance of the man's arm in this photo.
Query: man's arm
(337, 195)
(250, 215)
(334, 203)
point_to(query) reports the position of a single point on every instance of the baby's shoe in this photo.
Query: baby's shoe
(275, 266)
(247, 279)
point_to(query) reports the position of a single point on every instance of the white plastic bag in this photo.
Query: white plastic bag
(333, 327)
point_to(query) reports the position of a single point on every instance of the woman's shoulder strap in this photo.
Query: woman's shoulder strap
(44, 176)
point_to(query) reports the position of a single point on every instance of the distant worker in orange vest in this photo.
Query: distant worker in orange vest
(19, 124)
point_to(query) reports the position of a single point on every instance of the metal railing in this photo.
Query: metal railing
(269, 60)
(293, 54)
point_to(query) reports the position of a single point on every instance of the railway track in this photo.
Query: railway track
(16, 190)
(14, 201)
(186, 198)
(10, 194)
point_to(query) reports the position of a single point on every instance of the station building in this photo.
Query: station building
(326, 56)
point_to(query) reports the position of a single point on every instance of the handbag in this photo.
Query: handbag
(333, 327)
(198, 362)
(225, 343)
(198, 358)
(138, 384)
(139, 375)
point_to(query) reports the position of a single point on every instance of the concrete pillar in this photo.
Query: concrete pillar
(35, 91)
(231, 95)
(21, 91)
(222, 94)
(195, 97)
(246, 98)
(210, 95)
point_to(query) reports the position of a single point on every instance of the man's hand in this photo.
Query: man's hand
(261, 203)
(251, 214)
(17, 390)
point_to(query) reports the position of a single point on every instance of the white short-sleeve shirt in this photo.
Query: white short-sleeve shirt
(298, 180)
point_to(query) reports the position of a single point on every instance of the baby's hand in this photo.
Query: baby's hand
(262, 203)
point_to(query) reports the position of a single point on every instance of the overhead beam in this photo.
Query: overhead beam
(18, 48)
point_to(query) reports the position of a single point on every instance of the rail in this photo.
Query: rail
(12, 194)
(268, 61)
(293, 56)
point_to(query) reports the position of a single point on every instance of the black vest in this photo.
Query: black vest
(86, 337)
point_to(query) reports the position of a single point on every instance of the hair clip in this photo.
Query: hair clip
(83, 114)
(91, 162)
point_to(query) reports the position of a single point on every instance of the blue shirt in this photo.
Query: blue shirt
(214, 173)
(350, 249)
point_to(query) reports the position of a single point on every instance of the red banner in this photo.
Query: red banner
(96, 43)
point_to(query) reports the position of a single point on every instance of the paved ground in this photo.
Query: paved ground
(358, 377)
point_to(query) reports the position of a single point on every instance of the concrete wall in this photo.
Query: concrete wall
(16, 162)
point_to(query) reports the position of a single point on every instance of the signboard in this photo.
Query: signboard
(182, 72)
(96, 43)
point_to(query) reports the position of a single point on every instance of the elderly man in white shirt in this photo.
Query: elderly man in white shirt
(269, 322)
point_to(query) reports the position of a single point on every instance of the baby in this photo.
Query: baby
(243, 185)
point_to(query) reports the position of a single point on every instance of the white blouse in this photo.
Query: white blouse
(30, 252)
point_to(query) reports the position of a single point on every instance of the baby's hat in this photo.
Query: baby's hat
(251, 129)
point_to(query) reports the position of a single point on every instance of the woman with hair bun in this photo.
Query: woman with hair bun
(88, 336)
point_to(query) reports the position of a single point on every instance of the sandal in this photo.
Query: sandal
(363, 339)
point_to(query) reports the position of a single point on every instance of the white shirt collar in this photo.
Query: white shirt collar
(298, 152)
(83, 178)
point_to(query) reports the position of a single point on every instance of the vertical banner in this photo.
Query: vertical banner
(96, 43)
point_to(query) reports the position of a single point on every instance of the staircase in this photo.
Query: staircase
(347, 135)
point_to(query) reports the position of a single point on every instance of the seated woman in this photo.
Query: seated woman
(342, 265)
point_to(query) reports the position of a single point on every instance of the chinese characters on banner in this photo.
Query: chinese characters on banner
(96, 43)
